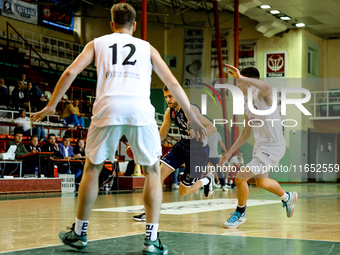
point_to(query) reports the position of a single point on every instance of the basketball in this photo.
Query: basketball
(129, 152)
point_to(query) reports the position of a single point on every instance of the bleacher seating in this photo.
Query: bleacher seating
(57, 52)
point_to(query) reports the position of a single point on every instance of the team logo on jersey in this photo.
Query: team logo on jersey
(266, 154)
(173, 114)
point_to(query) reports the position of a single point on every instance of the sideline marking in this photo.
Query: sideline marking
(188, 207)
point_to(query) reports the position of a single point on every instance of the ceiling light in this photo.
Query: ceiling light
(265, 6)
(285, 18)
(274, 11)
(300, 24)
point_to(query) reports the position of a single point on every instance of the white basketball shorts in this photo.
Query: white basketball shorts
(102, 143)
(266, 156)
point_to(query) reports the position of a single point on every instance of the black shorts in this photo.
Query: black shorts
(190, 155)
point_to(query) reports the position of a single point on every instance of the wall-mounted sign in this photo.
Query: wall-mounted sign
(20, 10)
(56, 16)
(275, 64)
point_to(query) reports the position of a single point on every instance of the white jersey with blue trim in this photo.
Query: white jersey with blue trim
(123, 81)
(267, 128)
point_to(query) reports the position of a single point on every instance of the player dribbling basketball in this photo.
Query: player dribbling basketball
(269, 148)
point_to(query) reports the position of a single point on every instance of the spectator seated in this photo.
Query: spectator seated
(25, 123)
(5, 98)
(71, 115)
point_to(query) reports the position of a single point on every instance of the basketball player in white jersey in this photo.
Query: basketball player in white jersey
(269, 148)
(122, 107)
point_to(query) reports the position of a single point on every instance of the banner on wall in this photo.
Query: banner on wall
(275, 64)
(213, 53)
(193, 55)
(247, 54)
(56, 16)
(19, 10)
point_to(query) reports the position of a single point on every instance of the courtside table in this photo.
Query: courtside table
(15, 161)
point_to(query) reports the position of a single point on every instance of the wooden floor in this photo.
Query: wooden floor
(32, 221)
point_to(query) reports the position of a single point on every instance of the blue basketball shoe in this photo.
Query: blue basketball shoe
(235, 220)
(290, 204)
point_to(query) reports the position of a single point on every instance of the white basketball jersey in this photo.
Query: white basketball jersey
(123, 81)
(271, 129)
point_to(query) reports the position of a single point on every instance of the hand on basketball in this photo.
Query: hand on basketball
(235, 72)
(47, 111)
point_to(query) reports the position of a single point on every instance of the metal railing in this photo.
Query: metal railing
(44, 44)
(174, 130)
(18, 36)
(10, 114)
(50, 52)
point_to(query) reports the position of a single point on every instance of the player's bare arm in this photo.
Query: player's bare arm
(265, 93)
(164, 73)
(242, 138)
(209, 126)
(165, 125)
(79, 64)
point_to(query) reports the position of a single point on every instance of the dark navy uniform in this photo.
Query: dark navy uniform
(186, 151)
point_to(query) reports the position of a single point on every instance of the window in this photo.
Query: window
(312, 62)
(313, 56)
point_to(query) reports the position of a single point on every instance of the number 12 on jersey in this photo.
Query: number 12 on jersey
(126, 61)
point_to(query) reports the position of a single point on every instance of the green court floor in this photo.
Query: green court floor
(199, 244)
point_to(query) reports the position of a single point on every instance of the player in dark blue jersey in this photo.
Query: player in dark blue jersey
(186, 151)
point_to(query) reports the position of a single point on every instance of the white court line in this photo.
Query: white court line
(189, 207)
(243, 232)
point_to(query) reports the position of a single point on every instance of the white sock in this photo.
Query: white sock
(241, 206)
(151, 231)
(204, 181)
(80, 227)
(285, 197)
